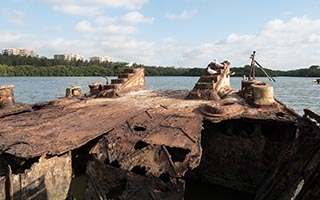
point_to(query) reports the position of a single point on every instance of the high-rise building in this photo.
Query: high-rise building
(20, 52)
(101, 58)
(59, 56)
(68, 57)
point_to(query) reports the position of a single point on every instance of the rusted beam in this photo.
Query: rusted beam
(129, 126)
(181, 129)
(165, 107)
(9, 183)
(166, 118)
(169, 158)
(148, 114)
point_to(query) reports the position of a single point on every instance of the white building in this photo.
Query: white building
(68, 57)
(20, 52)
(101, 59)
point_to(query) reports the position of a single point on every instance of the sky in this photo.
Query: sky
(181, 33)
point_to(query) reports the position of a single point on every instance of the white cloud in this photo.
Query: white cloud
(235, 38)
(85, 26)
(181, 16)
(135, 18)
(49, 29)
(14, 40)
(115, 29)
(279, 45)
(127, 4)
(119, 47)
(314, 38)
(92, 7)
(104, 20)
(73, 9)
(128, 18)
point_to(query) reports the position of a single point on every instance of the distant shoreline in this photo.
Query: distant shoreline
(11, 66)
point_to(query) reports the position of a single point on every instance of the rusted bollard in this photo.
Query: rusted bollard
(6, 96)
(74, 91)
(95, 89)
(246, 86)
(263, 94)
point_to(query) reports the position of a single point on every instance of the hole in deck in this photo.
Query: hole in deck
(177, 154)
(280, 114)
(227, 103)
(115, 163)
(80, 158)
(140, 145)
(139, 170)
(165, 177)
(139, 128)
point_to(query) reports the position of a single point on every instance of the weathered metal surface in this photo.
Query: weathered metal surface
(158, 143)
(74, 91)
(66, 124)
(47, 179)
(238, 152)
(156, 146)
(222, 110)
(262, 94)
(212, 85)
(107, 182)
(14, 109)
(2, 188)
(8, 106)
(234, 106)
(144, 141)
(295, 175)
(6, 96)
(131, 80)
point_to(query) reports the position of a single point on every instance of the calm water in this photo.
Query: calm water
(298, 93)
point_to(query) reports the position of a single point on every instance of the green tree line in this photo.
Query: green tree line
(11, 65)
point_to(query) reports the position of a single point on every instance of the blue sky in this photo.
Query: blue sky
(182, 33)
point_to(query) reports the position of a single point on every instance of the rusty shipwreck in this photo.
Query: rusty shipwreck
(211, 142)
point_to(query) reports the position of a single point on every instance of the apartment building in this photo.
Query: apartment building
(68, 57)
(101, 59)
(20, 52)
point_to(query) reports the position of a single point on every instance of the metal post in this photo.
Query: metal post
(252, 66)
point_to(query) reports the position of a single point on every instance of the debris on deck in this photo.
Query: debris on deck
(131, 80)
(214, 83)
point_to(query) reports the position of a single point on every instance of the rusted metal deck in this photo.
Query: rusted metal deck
(165, 120)
(66, 124)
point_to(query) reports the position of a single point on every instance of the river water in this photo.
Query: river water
(298, 93)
